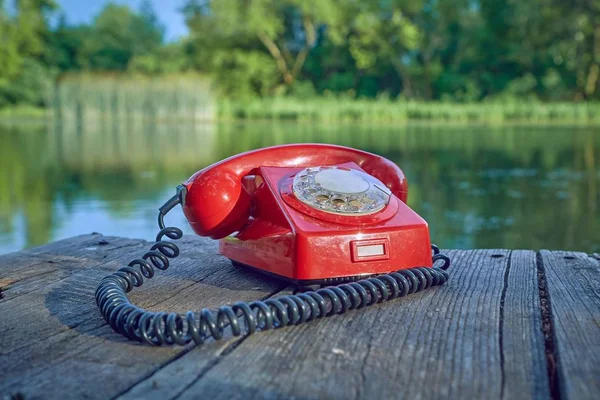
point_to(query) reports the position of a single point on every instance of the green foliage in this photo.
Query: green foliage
(65, 45)
(459, 51)
(237, 38)
(244, 74)
(455, 50)
(167, 59)
(384, 36)
(117, 36)
(24, 73)
(10, 58)
(30, 86)
(32, 25)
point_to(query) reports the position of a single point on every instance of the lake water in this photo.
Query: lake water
(478, 187)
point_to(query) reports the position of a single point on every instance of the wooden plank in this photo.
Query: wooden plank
(477, 337)
(25, 271)
(573, 284)
(56, 330)
(25, 299)
(523, 357)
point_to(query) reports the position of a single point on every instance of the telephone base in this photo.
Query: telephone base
(303, 285)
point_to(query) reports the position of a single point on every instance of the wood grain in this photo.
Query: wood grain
(573, 281)
(56, 330)
(524, 358)
(479, 336)
(445, 342)
(26, 271)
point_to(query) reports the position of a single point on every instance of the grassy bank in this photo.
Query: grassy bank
(22, 113)
(115, 100)
(332, 110)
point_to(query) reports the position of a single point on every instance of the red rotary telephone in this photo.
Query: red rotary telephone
(309, 212)
(313, 214)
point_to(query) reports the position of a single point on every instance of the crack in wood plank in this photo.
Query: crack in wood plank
(552, 358)
(501, 324)
(573, 291)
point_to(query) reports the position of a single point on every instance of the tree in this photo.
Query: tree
(23, 69)
(32, 23)
(118, 34)
(383, 32)
(458, 50)
(10, 58)
(148, 27)
(285, 31)
(168, 59)
(65, 44)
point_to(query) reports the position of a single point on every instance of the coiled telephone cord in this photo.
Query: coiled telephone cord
(159, 328)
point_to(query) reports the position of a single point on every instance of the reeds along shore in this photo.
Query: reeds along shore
(91, 97)
(336, 110)
(99, 98)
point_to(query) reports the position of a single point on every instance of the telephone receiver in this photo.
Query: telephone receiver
(331, 220)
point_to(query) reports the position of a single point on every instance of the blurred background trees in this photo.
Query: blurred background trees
(452, 50)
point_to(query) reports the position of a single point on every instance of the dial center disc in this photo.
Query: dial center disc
(341, 181)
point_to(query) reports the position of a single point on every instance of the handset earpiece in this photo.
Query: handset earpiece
(217, 203)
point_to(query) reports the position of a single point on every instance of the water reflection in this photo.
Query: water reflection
(478, 187)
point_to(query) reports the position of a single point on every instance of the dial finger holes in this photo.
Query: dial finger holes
(338, 202)
(356, 203)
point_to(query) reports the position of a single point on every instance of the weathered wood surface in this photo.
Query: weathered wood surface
(509, 324)
(573, 281)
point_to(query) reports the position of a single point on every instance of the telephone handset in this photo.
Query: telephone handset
(312, 214)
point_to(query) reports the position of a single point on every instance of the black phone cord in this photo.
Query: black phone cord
(159, 328)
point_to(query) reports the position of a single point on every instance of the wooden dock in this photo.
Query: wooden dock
(508, 325)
